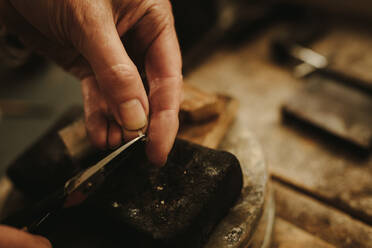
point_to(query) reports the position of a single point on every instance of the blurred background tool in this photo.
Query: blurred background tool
(339, 57)
(336, 97)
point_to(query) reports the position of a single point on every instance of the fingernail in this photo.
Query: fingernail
(132, 115)
(129, 135)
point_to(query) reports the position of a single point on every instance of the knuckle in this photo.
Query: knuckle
(124, 70)
(161, 12)
(118, 78)
(168, 84)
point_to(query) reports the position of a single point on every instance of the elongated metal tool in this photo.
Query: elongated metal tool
(74, 192)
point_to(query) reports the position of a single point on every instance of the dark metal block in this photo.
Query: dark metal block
(340, 110)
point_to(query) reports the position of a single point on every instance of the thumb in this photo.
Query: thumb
(117, 76)
(13, 238)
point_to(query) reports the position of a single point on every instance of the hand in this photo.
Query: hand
(107, 43)
(13, 238)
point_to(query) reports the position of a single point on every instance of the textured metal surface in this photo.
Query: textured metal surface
(338, 109)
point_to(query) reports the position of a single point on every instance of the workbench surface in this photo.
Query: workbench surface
(323, 191)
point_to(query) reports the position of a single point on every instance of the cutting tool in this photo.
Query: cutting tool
(74, 192)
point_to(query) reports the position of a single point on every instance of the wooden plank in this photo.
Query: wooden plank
(287, 235)
(75, 139)
(327, 170)
(210, 133)
(198, 106)
(321, 220)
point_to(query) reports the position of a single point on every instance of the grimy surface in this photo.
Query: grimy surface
(305, 161)
(142, 206)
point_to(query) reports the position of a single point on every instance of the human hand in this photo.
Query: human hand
(14, 238)
(106, 43)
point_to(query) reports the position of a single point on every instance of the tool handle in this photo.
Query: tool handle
(32, 217)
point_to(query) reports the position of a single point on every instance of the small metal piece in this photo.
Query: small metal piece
(311, 60)
(42, 219)
(36, 224)
(115, 204)
(309, 56)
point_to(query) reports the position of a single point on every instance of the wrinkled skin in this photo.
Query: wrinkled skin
(105, 43)
(83, 36)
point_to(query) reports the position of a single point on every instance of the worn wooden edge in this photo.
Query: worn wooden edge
(74, 137)
(198, 105)
(216, 128)
(262, 236)
(321, 220)
(287, 235)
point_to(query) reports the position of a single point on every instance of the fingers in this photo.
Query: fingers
(102, 132)
(163, 69)
(95, 118)
(117, 77)
(163, 127)
(13, 238)
(114, 135)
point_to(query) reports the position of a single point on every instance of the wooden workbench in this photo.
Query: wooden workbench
(323, 193)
